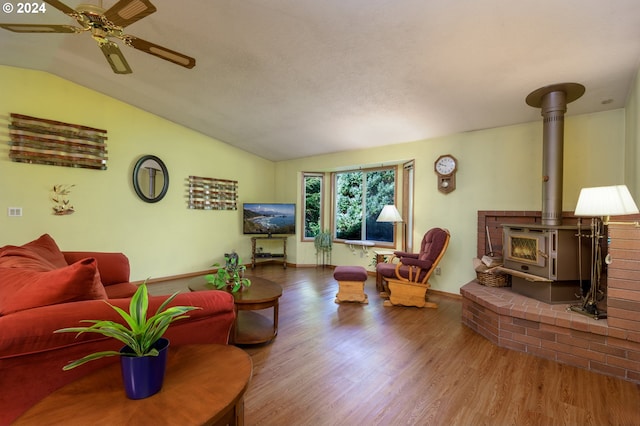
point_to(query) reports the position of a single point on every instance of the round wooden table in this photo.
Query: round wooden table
(250, 327)
(204, 384)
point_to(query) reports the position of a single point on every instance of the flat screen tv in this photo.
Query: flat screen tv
(269, 218)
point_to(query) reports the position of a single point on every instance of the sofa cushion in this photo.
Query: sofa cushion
(114, 267)
(19, 257)
(22, 288)
(120, 291)
(43, 248)
(42, 254)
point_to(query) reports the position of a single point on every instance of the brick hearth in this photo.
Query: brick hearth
(609, 346)
(549, 331)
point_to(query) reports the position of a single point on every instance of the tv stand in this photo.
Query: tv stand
(259, 257)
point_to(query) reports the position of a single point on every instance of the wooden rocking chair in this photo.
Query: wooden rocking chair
(405, 276)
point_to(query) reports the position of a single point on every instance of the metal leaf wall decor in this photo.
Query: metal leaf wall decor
(42, 141)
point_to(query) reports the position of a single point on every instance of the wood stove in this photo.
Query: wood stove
(546, 262)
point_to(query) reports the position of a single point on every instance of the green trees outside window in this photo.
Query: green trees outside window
(312, 204)
(360, 196)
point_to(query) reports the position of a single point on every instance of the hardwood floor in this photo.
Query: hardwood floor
(354, 364)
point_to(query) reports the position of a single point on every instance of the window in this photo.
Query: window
(360, 196)
(408, 178)
(312, 202)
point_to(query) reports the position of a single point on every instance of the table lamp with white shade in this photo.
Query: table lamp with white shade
(600, 203)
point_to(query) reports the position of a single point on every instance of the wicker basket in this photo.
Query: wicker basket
(492, 278)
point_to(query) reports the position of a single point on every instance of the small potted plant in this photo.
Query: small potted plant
(231, 276)
(145, 349)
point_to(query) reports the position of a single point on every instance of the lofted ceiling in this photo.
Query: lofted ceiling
(286, 79)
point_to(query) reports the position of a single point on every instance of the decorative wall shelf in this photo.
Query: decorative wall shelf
(205, 193)
(41, 141)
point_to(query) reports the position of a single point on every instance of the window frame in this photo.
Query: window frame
(334, 200)
(305, 175)
(408, 203)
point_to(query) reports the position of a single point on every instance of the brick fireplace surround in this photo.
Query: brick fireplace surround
(609, 346)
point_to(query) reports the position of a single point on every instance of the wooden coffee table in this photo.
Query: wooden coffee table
(204, 385)
(250, 327)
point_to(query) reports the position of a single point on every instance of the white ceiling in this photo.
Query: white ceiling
(293, 78)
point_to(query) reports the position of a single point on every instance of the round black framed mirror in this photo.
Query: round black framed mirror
(150, 179)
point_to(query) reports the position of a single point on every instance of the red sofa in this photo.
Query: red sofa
(43, 289)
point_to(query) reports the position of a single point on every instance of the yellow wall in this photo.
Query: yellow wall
(160, 239)
(632, 133)
(499, 169)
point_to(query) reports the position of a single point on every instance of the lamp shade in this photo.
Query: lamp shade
(389, 213)
(605, 201)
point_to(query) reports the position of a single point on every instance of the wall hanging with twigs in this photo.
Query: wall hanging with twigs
(205, 193)
(60, 198)
(41, 141)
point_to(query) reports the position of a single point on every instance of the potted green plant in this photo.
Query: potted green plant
(144, 349)
(230, 276)
(323, 243)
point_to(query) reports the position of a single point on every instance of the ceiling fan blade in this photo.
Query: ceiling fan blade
(62, 7)
(160, 52)
(126, 12)
(115, 57)
(33, 28)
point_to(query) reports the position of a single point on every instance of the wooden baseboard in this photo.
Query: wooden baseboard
(445, 293)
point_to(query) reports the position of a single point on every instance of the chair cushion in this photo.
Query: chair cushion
(432, 244)
(387, 270)
(22, 288)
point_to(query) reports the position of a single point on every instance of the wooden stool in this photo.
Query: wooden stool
(350, 284)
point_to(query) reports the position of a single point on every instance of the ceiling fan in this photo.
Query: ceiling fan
(105, 24)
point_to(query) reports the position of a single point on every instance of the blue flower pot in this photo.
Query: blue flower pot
(143, 376)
